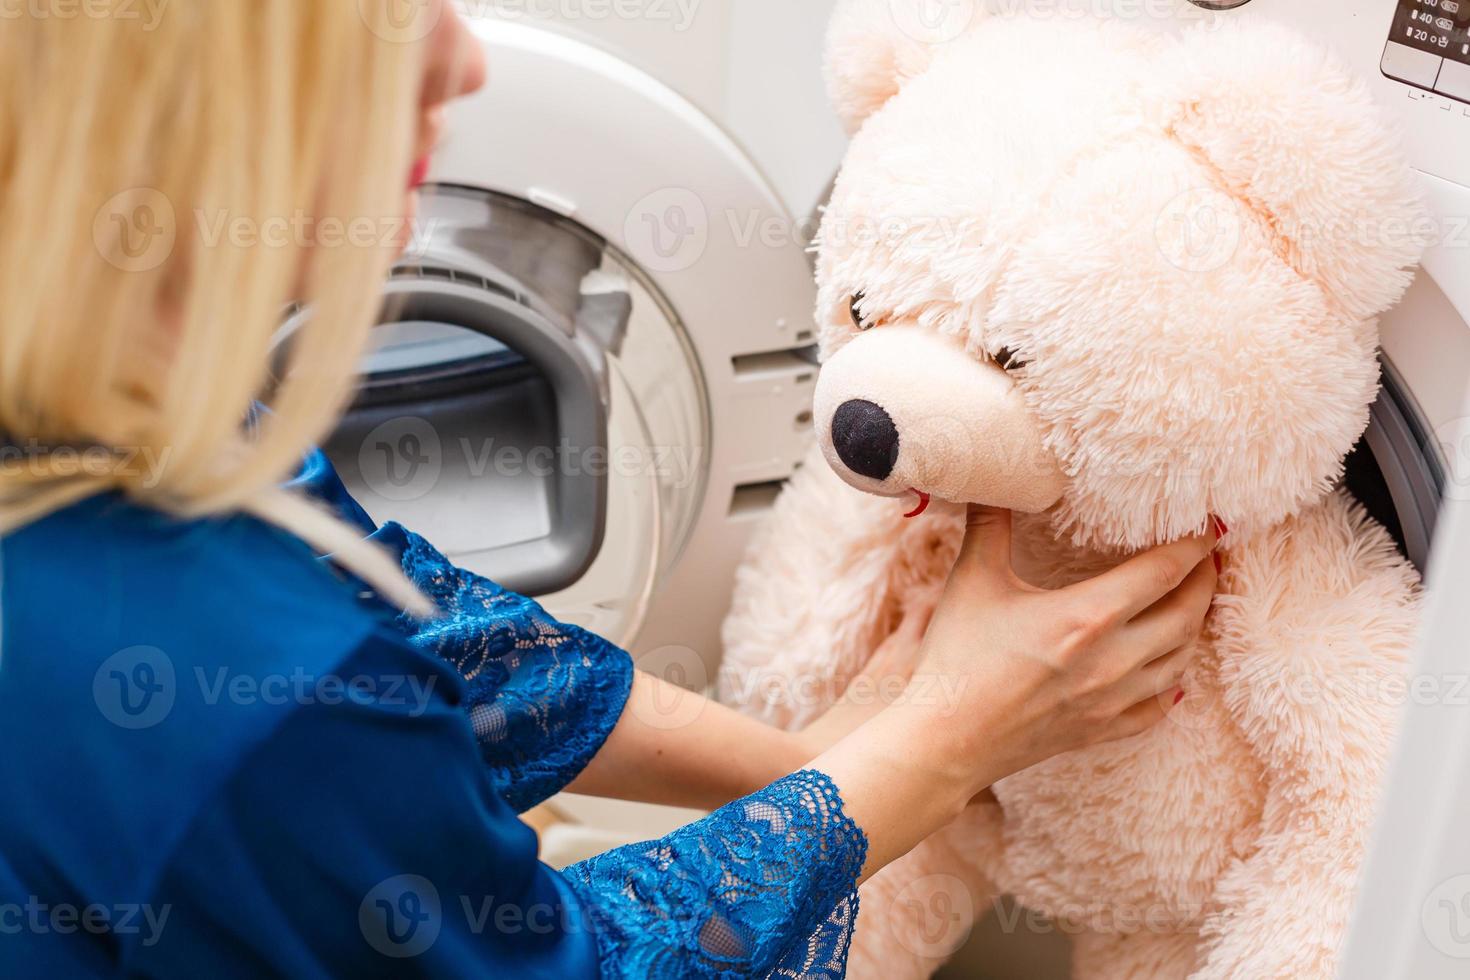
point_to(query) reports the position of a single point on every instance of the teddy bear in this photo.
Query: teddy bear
(1125, 284)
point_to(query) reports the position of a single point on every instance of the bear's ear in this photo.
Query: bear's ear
(1293, 136)
(874, 47)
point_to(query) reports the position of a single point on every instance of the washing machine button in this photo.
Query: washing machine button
(1454, 81)
(1410, 64)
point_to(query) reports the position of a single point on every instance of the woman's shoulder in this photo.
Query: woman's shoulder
(112, 571)
(148, 663)
(112, 601)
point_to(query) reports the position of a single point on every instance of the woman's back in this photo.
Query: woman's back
(264, 739)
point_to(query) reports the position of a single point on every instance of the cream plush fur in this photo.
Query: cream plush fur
(1177, 246)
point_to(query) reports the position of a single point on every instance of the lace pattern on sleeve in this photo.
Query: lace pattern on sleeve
(766, 886)
(543, 695)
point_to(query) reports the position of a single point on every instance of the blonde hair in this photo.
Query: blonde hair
(162, 188)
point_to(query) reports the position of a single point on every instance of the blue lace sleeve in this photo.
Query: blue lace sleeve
(765, 886)
(543, 695)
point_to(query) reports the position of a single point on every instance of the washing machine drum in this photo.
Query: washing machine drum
(533, 407)
(1398, 470)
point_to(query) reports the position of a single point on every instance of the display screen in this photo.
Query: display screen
(1439, 27)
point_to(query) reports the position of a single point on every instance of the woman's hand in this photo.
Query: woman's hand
(1007, 675)
(1097, 661)
(1010, 675)
(881, 681)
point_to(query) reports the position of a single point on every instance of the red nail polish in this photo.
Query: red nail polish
(1180, 696)
(1221, 529)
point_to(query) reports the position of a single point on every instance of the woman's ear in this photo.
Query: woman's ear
(1295, 138)
(874, 47)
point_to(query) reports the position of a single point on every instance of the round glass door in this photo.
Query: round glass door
(532, 406)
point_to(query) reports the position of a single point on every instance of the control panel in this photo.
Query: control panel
(1429, 47)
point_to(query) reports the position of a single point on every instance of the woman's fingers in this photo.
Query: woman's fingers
(1149, 654)
(1157, 678)
(1144, 579)
(1159, 644)
(1174, 620)
(898, 655)
(1137, 719)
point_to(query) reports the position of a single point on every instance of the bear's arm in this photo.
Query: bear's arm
(1313, 642)
(828, 577)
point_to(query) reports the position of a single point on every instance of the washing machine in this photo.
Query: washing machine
(594, 371)
(603, 270)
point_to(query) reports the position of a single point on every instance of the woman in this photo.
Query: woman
(225, 756)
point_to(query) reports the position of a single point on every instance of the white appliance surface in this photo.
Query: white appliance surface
(753, 69)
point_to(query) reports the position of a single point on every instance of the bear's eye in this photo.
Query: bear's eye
(1009, 360)
(856, 314)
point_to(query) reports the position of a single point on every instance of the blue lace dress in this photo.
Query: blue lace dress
(764, 886)
(224, 759)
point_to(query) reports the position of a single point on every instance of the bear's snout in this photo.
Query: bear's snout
(865, 438)
(902, 409)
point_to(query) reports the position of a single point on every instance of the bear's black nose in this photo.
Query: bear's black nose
(865, 438)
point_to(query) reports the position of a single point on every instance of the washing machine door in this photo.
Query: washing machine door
(525, 406)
